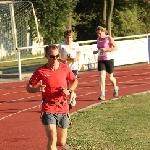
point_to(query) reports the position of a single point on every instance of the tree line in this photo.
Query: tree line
(120, 17)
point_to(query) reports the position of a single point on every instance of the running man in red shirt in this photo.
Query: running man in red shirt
(51, 80)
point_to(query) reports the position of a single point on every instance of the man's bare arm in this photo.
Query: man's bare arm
(33, 89)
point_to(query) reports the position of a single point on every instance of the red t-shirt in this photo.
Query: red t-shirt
(55, 81)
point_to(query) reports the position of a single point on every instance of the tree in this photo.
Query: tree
(123, 17)
(52, 16)
(104, 13)
(107, 14)
(110, 16)
(131, 17)
(88, 15)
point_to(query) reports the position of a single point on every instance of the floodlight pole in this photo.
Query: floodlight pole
(14, 32)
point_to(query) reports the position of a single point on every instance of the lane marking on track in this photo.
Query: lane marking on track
(94, 76)
(135, 82)
(14, 92)
(117, 71)
(124, 87)
(141, 84)
(130, 81)
(20, 99)
(35, 107)
(94, 81)
(40, 95)
(13, 87)
(18, 112)
(147, 78)
(6, 93)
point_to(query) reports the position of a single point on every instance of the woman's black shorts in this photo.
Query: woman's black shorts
(107, 65)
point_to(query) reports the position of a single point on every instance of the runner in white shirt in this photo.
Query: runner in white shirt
(69, 54)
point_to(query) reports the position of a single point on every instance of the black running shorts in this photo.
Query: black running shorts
(107, 65)
(75, 73)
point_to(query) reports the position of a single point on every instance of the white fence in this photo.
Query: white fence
(131, 49)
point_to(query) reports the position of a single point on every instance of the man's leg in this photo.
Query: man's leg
(51, 136)
(63, 124)
(61, 136)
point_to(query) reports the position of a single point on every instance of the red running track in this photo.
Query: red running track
(20, 125)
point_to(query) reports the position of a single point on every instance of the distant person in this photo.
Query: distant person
(105, 45)
(69, 54)
(52, 78)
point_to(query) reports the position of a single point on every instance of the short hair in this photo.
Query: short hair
(102, 29)
(50, 47)
(68, 33)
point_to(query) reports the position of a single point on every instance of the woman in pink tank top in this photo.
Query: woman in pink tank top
(105, 45)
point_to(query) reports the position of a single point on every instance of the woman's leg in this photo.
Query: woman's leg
(102, 78)
(110, 70)
(112, 80)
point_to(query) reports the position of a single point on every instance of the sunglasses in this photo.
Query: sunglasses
(53, 56)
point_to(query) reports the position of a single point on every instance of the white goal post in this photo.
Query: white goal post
(18, 27)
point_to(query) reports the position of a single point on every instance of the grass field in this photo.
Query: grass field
(123, 124)
(24, 64)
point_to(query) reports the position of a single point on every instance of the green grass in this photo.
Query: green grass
(116, 125)
(24, 63)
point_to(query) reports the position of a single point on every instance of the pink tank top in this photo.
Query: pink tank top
(104, 44)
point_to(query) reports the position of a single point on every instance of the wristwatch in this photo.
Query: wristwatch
(70, 91)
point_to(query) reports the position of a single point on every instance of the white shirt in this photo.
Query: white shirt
(69, 51)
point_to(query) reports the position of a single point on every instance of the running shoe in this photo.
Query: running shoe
(115, 92)
(101, 97)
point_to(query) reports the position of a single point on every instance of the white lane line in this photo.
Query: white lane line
(83, 83)
(142, 83)
(134, 85)
(94, 81)
(20, 99)
(147, 78)
(13, 93)
(94, 76)
(35, 107)
(145, 73)
(86, 82)
(135, 82)
(6, 93)
(40, 95)
(131, 80)
(14, 100)
(139, 79)
(18, 112)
